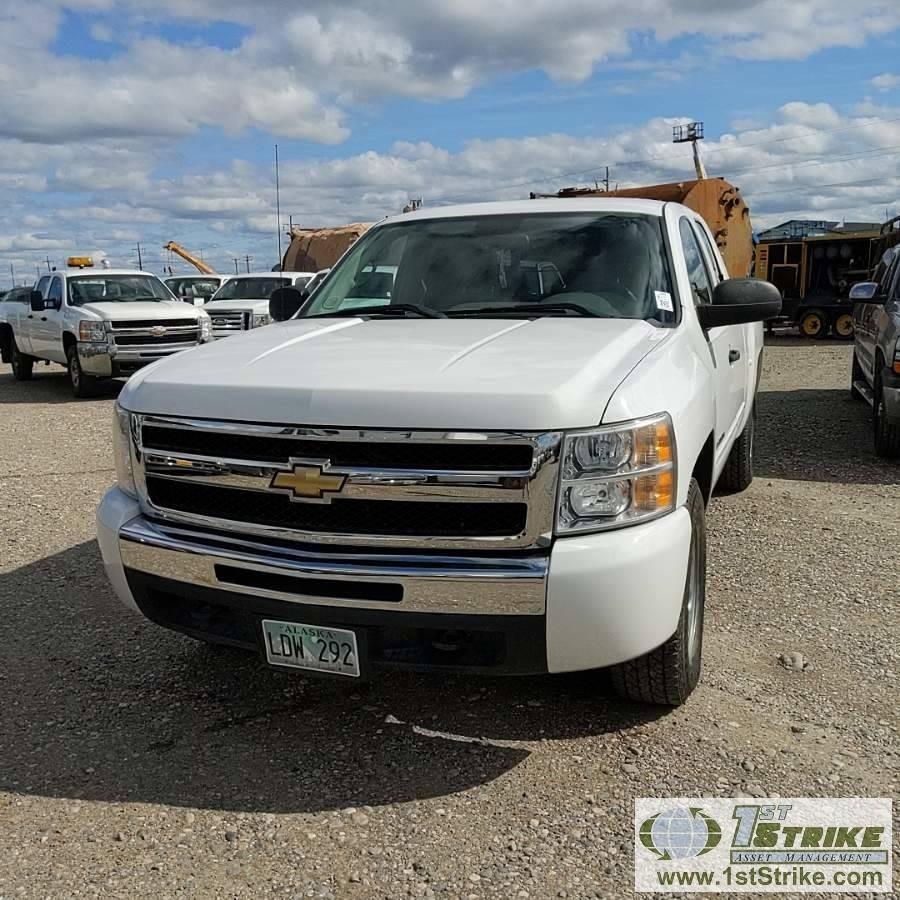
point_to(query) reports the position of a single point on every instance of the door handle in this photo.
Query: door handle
(30, 316)
(733, 356)
(43, 318)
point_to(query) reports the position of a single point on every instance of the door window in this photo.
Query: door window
(55, 293)
(712, 258)
(699, 278)
(42, 285)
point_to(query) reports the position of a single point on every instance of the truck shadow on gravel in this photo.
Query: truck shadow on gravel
(50, 385)
(818, 435)
(100, 705)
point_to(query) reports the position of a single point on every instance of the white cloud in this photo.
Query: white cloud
(885, 82)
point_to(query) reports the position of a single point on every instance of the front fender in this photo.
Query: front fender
(675, 379)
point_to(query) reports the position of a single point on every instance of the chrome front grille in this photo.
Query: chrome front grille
(154, 337)
(227, 320)
(349, 487)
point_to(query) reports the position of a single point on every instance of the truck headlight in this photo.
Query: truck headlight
(122, 450)
(617, 475)
(91, 331)
(260, 319)
(205, 327)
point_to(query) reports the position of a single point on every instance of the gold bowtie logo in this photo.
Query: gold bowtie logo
(307, 483)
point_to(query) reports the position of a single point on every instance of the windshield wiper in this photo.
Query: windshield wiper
(534, 310)
(399, 309)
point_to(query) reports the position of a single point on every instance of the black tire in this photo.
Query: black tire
(82, 385)
(668, 674)
(22, 363)
(737, 475)
(814, 324)
(887, 434)
(842, 326)
(856, 374)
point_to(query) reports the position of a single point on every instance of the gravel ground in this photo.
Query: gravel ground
(135, 762)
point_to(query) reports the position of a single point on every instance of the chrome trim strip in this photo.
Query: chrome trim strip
(436, 583)
(536, 487)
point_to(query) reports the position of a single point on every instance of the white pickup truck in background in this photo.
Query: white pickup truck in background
(502, 467)
(99, 323)
(242, 302)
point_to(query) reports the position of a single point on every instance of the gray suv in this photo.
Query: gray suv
(876, 352)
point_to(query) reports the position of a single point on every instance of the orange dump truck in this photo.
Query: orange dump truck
(718, 202)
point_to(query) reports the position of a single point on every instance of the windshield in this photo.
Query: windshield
(193, 288)
(250, 288)
(115, 289)
(609, 265)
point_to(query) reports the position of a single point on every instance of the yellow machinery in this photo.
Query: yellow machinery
(198, 264)
(815, 274)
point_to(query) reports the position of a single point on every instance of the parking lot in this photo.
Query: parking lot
(136, 762)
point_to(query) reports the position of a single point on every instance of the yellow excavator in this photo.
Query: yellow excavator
(198, 264)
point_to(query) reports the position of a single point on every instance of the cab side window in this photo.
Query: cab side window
(712, 258)
(55, 293)
(42, 286)
(699, 278)
(891, 287)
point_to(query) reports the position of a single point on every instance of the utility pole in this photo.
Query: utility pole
(37, 270)
(683, 134)
(140, 258)
(248, 260)
(278, 206)
(606, 181)
(12, 273)
(235, 260)
(48, 264)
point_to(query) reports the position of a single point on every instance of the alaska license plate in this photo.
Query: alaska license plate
(314, 647)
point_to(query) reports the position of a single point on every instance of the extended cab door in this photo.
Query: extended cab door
(728, 345)
(29, 320)
(46, 335)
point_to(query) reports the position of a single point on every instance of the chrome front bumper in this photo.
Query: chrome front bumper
(108, 360)
(435, 583)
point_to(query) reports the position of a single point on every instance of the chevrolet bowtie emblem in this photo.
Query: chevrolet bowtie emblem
(308, 482)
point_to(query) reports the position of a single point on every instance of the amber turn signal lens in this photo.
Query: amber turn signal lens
(653, 445)
(654, 492)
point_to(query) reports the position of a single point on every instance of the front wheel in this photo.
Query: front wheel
(887, 434)
(82, 385)
(22, 363)
(668, 674)
(814, 324)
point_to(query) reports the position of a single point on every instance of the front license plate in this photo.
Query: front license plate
(316, 647)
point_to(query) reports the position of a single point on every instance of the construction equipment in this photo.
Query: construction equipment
(312, 249)
(198, 264)
(718, 202)
(815, 273)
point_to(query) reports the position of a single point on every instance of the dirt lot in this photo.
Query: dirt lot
(135, 762)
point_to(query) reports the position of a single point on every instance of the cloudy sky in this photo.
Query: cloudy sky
(126, 121)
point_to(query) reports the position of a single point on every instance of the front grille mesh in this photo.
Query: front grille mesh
(448, 456)
(139, 340)
(151, 323)
(362, 517)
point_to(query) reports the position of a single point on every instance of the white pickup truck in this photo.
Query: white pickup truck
(99, 323)
(242, 301)
(503, 467)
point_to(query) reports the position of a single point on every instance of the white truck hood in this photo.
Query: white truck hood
(457, 374)
(139, 309)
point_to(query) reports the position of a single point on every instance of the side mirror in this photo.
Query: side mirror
(865, 292)
(285, 302)
(740, 300)
(37, 302)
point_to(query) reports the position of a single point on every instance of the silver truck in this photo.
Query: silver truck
(875, 377)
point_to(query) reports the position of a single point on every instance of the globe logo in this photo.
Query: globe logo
(680, 833)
